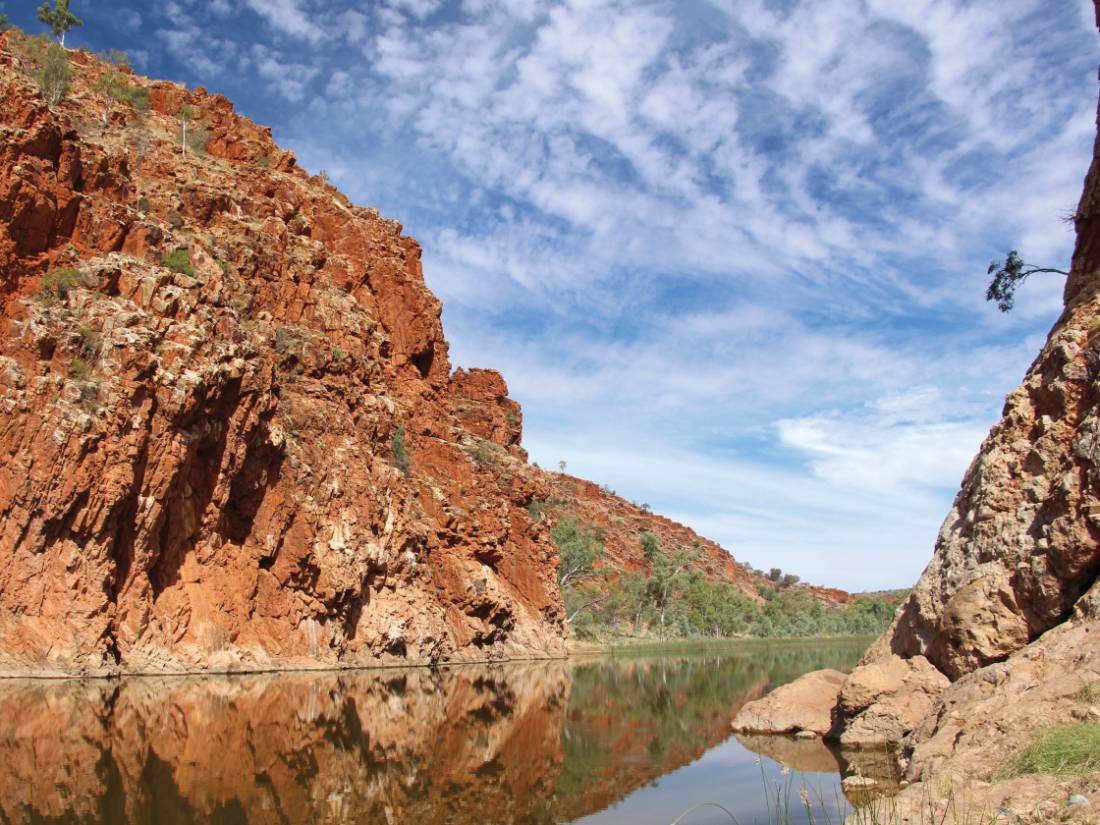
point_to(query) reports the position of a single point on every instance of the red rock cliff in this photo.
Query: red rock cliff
(257, 460)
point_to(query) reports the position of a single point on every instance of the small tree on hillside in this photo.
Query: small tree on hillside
(1008, 276)
(580, 548)
(58, 18)
(650, 544)
(48, 66)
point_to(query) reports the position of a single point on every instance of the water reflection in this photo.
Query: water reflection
(534, 743)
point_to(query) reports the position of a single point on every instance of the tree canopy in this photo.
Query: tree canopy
(1008, 276)
(58, 18)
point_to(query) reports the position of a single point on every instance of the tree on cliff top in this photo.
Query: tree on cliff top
(1008, 276)
(58, 18)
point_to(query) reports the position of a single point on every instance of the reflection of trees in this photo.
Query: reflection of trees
(526, 743)
(633, 719)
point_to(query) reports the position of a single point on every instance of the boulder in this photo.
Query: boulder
(805, 704)
(882, 701)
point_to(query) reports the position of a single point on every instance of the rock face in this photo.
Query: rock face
(803, 705)
(230, 434)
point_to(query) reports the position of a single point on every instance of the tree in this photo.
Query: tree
(48, 65)
(59, 19)
(196, 136)
(114, 85)
(4, 24)
(650, 544)
(670, 575)
(1008, 276)
(775, 574)
(579, 547)
(400, 453)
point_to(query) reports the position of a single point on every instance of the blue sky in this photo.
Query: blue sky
(729, 255)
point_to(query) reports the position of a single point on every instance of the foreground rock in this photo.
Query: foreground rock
(805, 704)
(881, 702)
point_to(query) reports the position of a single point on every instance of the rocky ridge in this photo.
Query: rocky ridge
(231, 436)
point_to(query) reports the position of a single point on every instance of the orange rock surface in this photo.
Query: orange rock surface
(200, 465)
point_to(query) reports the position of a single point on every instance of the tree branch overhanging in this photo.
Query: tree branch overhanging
(1008, 276)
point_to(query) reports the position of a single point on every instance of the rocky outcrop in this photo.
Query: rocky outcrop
(230, 437)
(883, 701)
(805, 704)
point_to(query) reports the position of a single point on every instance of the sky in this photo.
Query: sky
(730, 255)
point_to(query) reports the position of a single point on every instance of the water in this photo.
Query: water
(600, 741)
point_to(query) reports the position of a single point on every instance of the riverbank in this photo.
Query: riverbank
(618, 647)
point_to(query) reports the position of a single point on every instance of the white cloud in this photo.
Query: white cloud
(288, 17)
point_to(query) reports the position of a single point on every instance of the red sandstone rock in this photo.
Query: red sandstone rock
(198, 468)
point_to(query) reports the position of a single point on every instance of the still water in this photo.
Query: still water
(602, 741)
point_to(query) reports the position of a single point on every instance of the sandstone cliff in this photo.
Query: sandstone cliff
(1002, 631)
(231, 437)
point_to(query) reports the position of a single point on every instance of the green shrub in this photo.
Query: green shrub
(138, 97)
(179, 260)
(58, 283)
(338, 354)
(480, 452)
(80, 369)
(114, 84)
(1068, 750)
(89, 396)
(47, 64)
(90, 342)
(400, 455)
(198, 137)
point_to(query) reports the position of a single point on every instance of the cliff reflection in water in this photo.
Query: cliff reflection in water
(521, 743)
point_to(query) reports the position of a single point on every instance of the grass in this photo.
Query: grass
(1088, 693)
(179, 260)
(58, 283)
(787, 805)
(1072, 749)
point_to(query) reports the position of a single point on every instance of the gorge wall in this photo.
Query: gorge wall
(231, 437)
